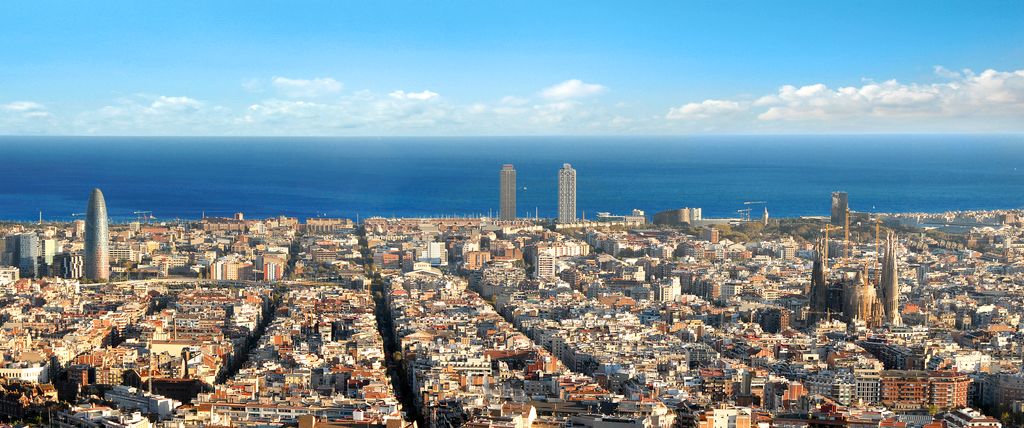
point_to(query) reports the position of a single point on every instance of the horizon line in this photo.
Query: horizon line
(698, 135)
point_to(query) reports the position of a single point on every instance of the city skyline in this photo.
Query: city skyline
(291, 216)
(529, 68)
(386, 177)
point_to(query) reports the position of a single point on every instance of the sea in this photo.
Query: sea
(794, 175)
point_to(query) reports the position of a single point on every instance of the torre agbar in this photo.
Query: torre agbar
(97, 253)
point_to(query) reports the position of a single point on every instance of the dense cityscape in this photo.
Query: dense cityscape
(675, 320)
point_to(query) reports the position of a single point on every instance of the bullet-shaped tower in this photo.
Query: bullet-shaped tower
(97, 237)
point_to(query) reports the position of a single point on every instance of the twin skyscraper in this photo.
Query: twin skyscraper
(566, 193)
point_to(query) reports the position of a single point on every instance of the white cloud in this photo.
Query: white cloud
(306, 88)
(477, 108)
(175, 103)
(144, 114)
(573, 88)
(420, 96)
(964, 100)
(705, 109)
(26, 117)
(991, 93)
(253, 85)
(945, 72)
(514, 101)
(555, 112)
(361, 112)
(22, 106)
(956, 101)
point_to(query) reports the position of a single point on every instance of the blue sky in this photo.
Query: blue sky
(520, 67)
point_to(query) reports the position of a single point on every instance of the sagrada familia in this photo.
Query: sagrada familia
(875, 305)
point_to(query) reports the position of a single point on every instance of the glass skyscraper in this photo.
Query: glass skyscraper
(97, 252)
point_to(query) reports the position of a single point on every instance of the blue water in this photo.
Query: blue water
(306, 177)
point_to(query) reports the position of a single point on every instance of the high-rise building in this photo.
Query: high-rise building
(47, 249)
(272, 271)
(7, 250)
(28, 255)
(79, 229)
(544, 265)
(889, 288)
(508, 192)
(97, 251)
(9, 257)
(840, 207)
(435, 253)
(566, 194)
(68, 265)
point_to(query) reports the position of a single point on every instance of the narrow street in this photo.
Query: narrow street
(392, 346)
(243, 354)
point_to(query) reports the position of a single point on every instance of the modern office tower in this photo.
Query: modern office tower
(97, 251)
(889, 288)
(28, 255)
(9, 250)
(68, 265)
(840, 207)
(436, 254)
(819, 283)
(508, 192)
(48, 249)
(566, 194)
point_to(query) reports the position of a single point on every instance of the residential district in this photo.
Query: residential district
(850, 319)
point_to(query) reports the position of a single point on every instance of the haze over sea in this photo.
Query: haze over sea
(346, 177)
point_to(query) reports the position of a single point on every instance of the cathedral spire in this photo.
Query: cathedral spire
(819, 286)
(889, 286)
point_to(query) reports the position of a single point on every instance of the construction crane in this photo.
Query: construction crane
(765, 203)
(847, 237)
(744, 214)
(827, 229)
(143, 215)
(878, 271)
